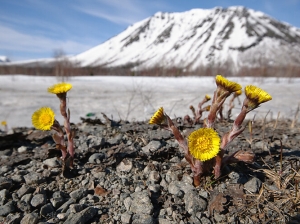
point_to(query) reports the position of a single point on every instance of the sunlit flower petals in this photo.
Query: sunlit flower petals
(60, 88)
(43, 118)
(237, 93)
(256, 96)
(207, 97)
(226, 84)
(158, 116)
(204, 143)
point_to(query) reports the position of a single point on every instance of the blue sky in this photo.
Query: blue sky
(31, 29)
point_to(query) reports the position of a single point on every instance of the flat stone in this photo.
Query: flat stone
(7, 208)
(31, 218)
(81, 217)
(194, 203)
(141, 203)
(47, 210)
(34, 178)
(124, 166)
(38, 200)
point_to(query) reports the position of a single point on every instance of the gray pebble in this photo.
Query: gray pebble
(5, 183)
(78, 194)
(31, 218)
(81, 217)
(47, 210)
(141, 203)
(38, 200)
(194, 203)
(7, 208)
(34, 178)
(253, 185)
(97, 158)
(152, 147)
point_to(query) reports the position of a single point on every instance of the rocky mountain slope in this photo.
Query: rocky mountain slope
(234, 36)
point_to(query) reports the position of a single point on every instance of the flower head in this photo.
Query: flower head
(158, 116)
(204, 143)
(43, 119)
(207, 97)
(256, 96)
(227, 85)
(60, 88)
(3, 123)
(237, 93)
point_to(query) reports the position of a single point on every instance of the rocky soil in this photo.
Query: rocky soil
(136, 173)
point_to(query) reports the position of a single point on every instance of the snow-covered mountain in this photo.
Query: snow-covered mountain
(234, 36)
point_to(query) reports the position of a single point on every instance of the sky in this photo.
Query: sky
(35, 29)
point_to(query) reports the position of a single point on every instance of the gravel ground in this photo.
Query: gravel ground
(132, 172)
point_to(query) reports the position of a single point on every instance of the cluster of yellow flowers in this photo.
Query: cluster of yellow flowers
(205, 144)
(44, 119)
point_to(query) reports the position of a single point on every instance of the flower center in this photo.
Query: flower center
(45, 119)
(203, 144)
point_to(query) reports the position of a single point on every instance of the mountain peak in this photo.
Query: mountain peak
(234, 36)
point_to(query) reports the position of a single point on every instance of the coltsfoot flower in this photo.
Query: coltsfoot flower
(204, 143)
(60, 88)
(227, 85)
(237, 93)
(256, 96)
(207, 97)
(158, 116)
(43, 119)
(3, 123)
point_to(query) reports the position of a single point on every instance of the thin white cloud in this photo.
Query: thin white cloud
(121, 12)
(12, 40)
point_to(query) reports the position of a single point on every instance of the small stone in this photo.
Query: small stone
(34, 178)
(141, 203)
(116, 140)
(7, 208)
(31, 218)
(176, 186)
(78, 194)
(82, 217)
(22, 149)
(66, 205)
(47, 210)
(152, 147)
(38, 200)
(13, 218)
(194, 203)
(124, 166)
(154, 177)
(75, 208)
(142, 218)
(97, 158)
(25, 189)
(253, 185)
(127, 203)
(5, 183)
(154, 187)
(126, 218)
(52, 162)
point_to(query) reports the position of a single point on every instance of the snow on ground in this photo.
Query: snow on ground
(132, 98)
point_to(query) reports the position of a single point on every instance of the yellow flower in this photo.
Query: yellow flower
(239, 92)
(207, 97)
(3, 123)
(204, 143)
(60, 88)
(158, 116)
(43, 118)
(207, 108)
(227, 85)
(256, 96)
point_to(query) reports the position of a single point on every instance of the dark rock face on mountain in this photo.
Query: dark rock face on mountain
(234, 36)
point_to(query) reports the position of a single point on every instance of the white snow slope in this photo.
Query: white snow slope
(133, 98)
(234, 36)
